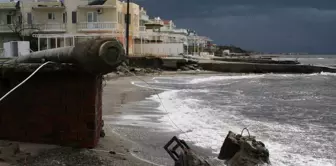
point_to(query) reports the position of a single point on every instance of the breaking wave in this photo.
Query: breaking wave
(205, 122)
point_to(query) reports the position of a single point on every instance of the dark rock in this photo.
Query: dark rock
(184, 68)
(252, 153)
(112, 152)
(192, 67)
(241, 150)
(230, 146)
(190, 158)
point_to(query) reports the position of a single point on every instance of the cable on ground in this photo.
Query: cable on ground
(24, 81)
(161, 102)
(165, 109)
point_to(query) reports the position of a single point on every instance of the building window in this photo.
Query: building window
(9, 19)
(29, 18)
(64, 17)
(20, 19)
(74, 17)
(51, 16)
(92, 17)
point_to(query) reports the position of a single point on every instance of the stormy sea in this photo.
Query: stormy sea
(293, 114)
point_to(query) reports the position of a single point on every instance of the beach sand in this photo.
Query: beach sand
(136, 120)
(126, 143)
(114, 149)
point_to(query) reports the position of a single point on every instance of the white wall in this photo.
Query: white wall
(8, 37)
(159, 48)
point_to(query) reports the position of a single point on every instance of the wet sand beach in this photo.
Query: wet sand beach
(118, 94)
(130, 114)
(134, 133)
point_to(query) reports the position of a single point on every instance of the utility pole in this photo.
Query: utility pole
(127, 27)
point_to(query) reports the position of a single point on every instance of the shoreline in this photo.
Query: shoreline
(122, 145)
(113, 149)
(127, 93)
(114, 75)
(128, 144)
(147, 142)
(240, 65)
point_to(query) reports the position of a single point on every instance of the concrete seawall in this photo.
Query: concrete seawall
(145, 62)
(175, 63)
(255, 60)
(233, 67)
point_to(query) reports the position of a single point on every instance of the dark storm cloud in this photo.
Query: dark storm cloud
(263, 25)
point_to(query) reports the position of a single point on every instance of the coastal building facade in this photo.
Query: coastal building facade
(60, 23)
(8, 11)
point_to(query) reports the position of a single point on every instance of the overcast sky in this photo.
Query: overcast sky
(261, 25)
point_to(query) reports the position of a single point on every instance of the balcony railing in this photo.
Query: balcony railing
(5, 28)
(7, 5)
(49, 27)
(176, 31)
(96, 26)
(142, 28)
(158, 22)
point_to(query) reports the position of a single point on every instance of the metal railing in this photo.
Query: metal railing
(142, 28)
(84, 26)
(50, 27)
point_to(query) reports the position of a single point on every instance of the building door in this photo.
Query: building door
(92, 19)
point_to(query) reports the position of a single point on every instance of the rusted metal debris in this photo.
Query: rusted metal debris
(237, 150)
(183, 155)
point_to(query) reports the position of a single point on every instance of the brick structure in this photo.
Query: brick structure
(58, 107)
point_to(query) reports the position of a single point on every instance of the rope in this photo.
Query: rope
(165, 109)
(24, 81)
(247, 132)
(161, 102)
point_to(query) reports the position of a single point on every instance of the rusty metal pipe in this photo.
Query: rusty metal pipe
(95, 55)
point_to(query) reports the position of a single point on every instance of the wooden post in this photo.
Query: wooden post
(127, 27)
(64, 40)
(48, 43)
(38, 43)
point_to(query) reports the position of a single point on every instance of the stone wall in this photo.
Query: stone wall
(63, 108)
(262, 68)
(145, 62)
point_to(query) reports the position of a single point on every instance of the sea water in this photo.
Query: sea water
(293, 114)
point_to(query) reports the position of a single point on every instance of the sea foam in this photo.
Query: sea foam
(207, 127)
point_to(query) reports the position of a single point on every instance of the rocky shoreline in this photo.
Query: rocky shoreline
(251, 65)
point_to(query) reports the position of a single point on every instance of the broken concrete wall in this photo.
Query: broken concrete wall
(60, 107)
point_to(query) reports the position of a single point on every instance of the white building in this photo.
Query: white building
(59, 23)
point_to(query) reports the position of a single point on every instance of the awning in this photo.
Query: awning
(62, 35)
